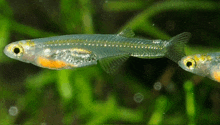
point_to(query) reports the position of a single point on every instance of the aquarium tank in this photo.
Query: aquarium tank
(142, 91)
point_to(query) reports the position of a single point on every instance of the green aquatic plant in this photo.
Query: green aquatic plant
(190, 101)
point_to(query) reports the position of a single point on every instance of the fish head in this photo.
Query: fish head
(23, 50)
(197, 64)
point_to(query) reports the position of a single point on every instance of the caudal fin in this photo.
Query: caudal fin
(175, 49)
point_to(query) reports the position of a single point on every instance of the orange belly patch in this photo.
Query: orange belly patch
(216, 75)
(52, 64)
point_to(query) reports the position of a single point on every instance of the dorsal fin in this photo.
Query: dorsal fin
(126, 33)
(112, 64)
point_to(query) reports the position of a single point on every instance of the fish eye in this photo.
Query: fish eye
(190, 63)
(17, 50)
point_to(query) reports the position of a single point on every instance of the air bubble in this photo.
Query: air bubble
(157, 86)
(138, 97)
(13, 111)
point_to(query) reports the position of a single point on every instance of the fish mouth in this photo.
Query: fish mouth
(6, 51)
(180, 63)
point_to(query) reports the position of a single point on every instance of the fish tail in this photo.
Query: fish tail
(175, 49)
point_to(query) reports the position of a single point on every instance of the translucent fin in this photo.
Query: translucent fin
(175, 49)
(112, 64)
(126, 33)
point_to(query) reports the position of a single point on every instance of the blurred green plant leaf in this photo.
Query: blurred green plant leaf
(4, 36)
(118, 6)
(63, 84)
(71, 16)
(190, 101)
(159, 111)
(86, 13)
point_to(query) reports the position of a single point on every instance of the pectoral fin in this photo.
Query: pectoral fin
(112, 64)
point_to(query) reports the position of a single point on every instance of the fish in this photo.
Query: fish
(206, 65)
(79, 50)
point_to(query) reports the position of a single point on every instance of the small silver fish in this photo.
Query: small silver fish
(71, 51)
(206, 65)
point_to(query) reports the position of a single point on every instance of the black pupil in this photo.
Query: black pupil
(16, 50)
(188, 64)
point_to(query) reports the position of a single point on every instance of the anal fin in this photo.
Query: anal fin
(113, 63)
